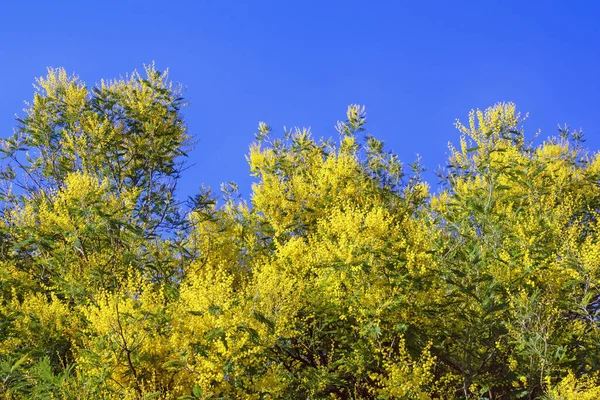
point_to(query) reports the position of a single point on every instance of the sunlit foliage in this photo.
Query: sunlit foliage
(343, 276)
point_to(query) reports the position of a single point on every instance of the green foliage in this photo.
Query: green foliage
(342, 277)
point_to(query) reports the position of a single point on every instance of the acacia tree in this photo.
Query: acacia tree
(127, 132)
(518, 222)
(88, 191)
(125, 137)
(341, 277)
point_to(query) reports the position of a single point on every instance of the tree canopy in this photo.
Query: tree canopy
(343, 276)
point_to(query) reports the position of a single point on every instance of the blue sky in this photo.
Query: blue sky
(416, 66)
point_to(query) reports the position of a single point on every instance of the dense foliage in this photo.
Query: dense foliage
(341, 278)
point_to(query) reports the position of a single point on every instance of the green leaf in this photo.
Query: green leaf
(196, 313)
(197, 391)
(261, 318)
(216, 333)
(215, 310)
(174, 364)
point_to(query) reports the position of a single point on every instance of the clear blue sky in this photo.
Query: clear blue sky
(417, 66)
